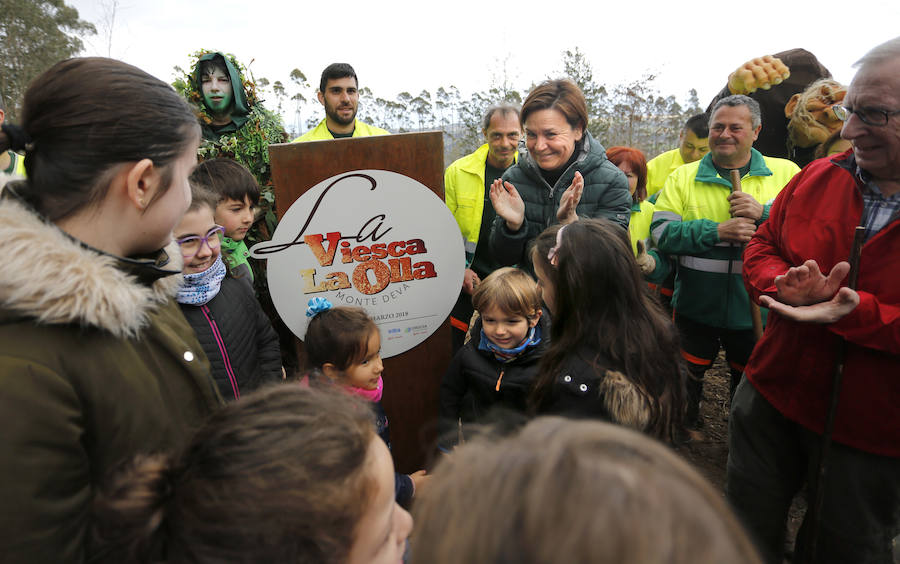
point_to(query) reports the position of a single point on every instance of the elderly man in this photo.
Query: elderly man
(339, 95)
(796, 266)
(467, 184)
(701, 220)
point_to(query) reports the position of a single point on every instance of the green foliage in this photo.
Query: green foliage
(34, 35)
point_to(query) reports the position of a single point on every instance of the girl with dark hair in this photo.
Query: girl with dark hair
(343, 348)
(97, 363)
(287, 474)
(613, 353)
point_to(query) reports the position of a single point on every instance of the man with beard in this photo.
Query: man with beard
(339, 93)
(701, 220)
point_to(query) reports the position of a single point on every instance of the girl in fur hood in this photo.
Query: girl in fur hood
(97, 363)
(613, 353)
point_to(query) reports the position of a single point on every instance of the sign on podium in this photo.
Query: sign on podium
(363, 223)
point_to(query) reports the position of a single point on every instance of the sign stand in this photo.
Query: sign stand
(412, 379)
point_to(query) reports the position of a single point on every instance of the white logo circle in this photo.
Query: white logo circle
(369, 238)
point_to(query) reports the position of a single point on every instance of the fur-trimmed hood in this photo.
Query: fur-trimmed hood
(52, 278)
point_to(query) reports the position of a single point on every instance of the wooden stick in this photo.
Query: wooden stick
(818, 487)
(755, 314)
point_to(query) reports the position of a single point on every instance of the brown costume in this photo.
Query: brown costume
(773, 139)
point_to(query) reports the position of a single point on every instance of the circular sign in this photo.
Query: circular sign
(373, 239)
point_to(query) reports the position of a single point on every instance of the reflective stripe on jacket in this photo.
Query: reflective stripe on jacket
(708, 287)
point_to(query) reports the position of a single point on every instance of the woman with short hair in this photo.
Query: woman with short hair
(563, 175)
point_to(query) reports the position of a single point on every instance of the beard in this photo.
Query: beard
(332, 113)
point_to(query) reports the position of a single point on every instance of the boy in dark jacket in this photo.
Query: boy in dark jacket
(497, 367)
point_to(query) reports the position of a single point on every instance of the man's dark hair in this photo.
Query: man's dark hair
(699, 124)
(336, 70)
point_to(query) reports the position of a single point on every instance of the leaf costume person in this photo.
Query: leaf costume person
(251, 129)
(244, 137)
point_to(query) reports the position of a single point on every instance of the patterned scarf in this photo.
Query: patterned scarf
(235, 253)
(506, 355)
(201, 287)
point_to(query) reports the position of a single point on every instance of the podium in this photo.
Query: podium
(411, 379)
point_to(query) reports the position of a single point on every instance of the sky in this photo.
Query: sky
(401, 45)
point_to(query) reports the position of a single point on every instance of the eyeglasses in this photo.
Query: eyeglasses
(869, 116)
(192, 244)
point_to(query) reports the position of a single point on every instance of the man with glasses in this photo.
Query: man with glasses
(797, 265)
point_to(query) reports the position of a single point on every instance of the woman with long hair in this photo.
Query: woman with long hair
(97, 363)
(613, 353)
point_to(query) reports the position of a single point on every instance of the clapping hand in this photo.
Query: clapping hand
(508, 204)
(569, 200)
(806, 285)
(645, 260)
(806, 295)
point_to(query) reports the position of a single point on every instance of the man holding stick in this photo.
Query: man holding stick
(822, 332)
(699, 218)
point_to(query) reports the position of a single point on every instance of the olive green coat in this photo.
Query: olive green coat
(97, 364)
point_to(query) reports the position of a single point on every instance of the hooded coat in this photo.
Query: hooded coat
(240, 111)
(97, 364)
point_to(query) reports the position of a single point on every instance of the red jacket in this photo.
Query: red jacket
(814, 218)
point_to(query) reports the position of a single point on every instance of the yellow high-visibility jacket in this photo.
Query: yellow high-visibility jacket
(464, 195)
(659, 168)
(321, 132)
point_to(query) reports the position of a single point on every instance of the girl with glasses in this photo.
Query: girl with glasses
(234, 332)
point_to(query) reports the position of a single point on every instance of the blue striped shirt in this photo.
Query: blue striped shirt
(878, 210)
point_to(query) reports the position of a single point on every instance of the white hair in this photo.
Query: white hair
(887, 51)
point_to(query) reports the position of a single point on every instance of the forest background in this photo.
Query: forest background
(426, 67)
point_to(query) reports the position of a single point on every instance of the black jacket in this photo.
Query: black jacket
(237, 338)
(581, 390)
(472, 385)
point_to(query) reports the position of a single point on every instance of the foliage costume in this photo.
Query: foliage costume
(252, 129)
(246, 140)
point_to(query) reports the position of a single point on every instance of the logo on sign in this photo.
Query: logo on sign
(373, 239)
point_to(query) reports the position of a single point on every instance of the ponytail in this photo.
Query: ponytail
(130, 511)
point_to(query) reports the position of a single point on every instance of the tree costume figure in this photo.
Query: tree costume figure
(235, 125)
(233, 121)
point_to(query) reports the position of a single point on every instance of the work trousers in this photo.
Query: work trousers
(770, 458)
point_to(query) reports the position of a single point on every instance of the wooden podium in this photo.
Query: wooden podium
(411, 379)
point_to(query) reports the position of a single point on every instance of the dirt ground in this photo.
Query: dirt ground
(710, 455)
